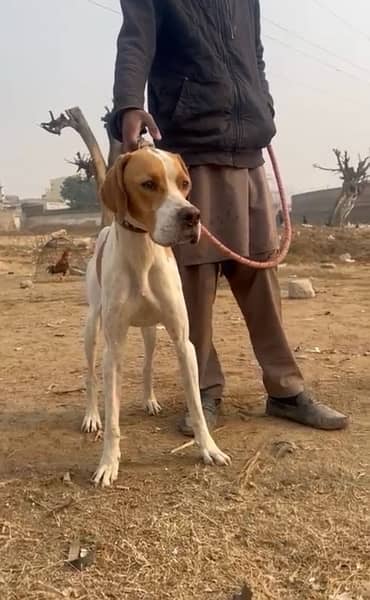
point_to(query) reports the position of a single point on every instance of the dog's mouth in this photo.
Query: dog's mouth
(190, 236)
(183, 235)
(195, 237)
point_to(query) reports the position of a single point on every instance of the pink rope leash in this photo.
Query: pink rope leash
(287, 233)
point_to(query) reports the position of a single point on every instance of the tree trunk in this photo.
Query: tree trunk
(342, 209)
(80, 124)
(114, 151)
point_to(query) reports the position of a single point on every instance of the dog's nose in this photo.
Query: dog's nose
(189, 216)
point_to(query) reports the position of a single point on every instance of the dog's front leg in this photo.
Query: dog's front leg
(115, 334)
(210, 452)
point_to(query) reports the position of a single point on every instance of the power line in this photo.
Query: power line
(298, 50)
(315, 45)
(317, 90)
(104, 7)
(318, 2)
(344, 21)
(316, 59)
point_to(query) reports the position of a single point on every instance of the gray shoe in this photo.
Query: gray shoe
(303, 409)
(211, 410)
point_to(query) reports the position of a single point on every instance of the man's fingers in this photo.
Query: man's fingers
(129, 145)
(152, 126)
(134, 122)
(130, 138)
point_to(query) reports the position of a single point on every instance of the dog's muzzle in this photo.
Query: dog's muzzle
(189, 219)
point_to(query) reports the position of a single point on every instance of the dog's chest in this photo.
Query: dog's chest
(146, 291)
(145, 310)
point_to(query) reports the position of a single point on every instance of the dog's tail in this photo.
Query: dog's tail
(92, 281)
(100, 240)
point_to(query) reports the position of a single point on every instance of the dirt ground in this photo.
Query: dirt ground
(289, 518)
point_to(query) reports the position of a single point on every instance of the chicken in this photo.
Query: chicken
(61, 266)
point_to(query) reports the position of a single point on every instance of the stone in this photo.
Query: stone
(84, 243)
(25, 283)
(77, 271)
(328, 266)
(61, 233)
(346, 258)
(299, 289)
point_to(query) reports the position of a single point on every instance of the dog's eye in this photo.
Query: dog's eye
(185, 184)
(149, 185)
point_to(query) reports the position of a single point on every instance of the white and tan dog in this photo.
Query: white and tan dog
(133, 280)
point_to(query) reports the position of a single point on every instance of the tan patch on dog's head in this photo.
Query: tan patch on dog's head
(183, 176)
(139, 183)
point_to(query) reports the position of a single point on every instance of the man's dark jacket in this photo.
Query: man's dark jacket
(207, 90)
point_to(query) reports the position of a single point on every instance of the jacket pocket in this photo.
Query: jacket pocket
(256, 118)
(203, 107)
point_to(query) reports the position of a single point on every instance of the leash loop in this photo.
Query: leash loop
(287, 233)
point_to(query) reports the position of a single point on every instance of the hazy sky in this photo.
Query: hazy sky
(59, 53)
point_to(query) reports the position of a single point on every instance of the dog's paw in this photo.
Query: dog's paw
(152, 407)
(212, 455)
(107, 472)
(91, 423)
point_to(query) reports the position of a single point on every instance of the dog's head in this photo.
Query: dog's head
(152, 186)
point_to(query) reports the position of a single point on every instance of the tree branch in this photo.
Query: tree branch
(316, 166)
(114, 145)
(74, 118)
(55, 125)
(83, 163)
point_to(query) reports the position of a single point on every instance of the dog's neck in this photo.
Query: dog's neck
(132, 225)
(137, 248)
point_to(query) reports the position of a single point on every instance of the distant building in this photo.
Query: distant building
(57, 205)
(31, 201)
(9, 211)
(315, 207)
(36, 218)
(11, 201)
(52, 195)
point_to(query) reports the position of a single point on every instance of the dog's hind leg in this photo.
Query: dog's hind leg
(91, 421)
(151, 404)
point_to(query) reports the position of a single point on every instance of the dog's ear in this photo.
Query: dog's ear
(185, 171)
(113, 192)
(182, 163)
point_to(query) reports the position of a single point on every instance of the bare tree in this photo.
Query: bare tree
(84, 164)
(74, 119)
(114, 145)
(353, 181)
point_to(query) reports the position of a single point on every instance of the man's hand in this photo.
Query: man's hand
(134, 122)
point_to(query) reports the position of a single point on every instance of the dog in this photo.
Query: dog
(133, 280)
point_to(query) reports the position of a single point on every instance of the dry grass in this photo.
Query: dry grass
(315, 245)
(301, 531)
(290, 517)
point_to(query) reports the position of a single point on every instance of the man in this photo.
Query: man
(209, 101)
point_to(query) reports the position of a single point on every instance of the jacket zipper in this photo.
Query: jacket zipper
(230, 16)
(227, 31)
